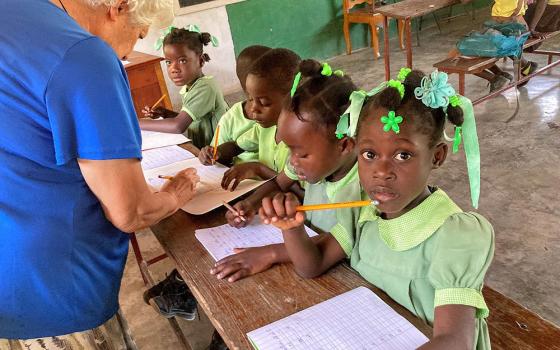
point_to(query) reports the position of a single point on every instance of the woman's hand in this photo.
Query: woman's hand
(280, 211)
(245, 210)
(240, 172)
(206, 155)
(182, 186)
(245, 262)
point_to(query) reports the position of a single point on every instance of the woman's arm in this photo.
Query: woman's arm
(454, 327)
(127, 201)
(176, 125)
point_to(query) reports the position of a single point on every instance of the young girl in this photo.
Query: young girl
(325, 163)
(268, 84)
(416, 245)
(236, 121)
(203, 102)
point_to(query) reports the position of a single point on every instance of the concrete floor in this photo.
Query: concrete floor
(520, 170)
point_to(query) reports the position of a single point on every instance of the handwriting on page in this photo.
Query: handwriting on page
(221, 240)
(159, 157)
(355, 320)
(153, 139)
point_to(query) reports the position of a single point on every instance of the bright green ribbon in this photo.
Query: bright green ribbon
(457, 139)
(191, 28)
(295, 84)
(159, 41)
(348, 122)
(397, 85)
(403, 73)
(472, 149)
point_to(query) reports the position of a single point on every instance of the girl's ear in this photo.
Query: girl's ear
(346, 145)
(202, 61)
(440, 154)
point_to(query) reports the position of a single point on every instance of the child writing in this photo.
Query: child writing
(322, 157)
(203, 102)
(236, 121)
(417, 244)
(268, 84)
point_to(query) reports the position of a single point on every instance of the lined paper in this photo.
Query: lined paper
(158, 157)
(221, 240)
(153, 139)
(357, 319)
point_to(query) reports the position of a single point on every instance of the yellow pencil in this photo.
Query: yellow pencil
(158, 101)
(216, 144)
(166, 177)
(233, 210)
(336, 205)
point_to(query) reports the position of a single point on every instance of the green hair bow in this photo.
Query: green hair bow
(325, 71)
(191, 28)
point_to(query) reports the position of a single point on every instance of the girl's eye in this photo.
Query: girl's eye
(403, 156)
(167, 62)
(183, 61)
(368, 155)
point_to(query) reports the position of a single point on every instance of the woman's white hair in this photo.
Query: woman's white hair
(144, 12)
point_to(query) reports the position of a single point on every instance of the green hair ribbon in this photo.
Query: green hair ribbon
(159, 41)
(471, 146)
(295, 84)
(403, 73)
(397, 85)
(392, 121)
(455, 101)
(191, 28)
(327, 71)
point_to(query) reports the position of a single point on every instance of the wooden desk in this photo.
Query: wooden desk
(147, 83)
(240, 307)
(406, 10)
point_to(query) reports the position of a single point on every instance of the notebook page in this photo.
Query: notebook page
(153, 139)
(219, 241)
(357, 319)
(158, 157)
(209, 193)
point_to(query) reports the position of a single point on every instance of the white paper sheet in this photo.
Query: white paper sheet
(152, 139)
(219, 241)
(158, 157)
(209, 193)
(357, 319)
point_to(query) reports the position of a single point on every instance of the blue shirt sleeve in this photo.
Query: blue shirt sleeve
(89, 106)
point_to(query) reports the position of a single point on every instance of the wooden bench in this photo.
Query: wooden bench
(463, 66)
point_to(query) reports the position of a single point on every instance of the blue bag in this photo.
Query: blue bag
(497, 40)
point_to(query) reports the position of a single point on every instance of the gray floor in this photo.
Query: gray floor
(520, 177)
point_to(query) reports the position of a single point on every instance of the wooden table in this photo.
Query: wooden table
(240, 307)
(147, 83)
(406, 10)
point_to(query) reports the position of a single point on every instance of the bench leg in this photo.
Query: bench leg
(462, 84)
(386, 48)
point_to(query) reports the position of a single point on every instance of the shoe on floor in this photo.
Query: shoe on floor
(498, 82)
(507, 76)
(530, 68)
(217, 343)
(173, 283)
(181, 305)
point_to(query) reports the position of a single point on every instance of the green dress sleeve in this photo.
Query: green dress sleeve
(200, 100)
(345, 229)
(249, 141)
(462, 254)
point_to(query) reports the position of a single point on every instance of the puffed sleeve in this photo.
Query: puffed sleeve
(462, 255)
(345, 229)
(200, 100)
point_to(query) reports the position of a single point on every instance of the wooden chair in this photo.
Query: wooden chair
(365, 15)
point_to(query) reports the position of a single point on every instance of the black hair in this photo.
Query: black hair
(325, 98)
(247, 57)
(278, 67)
(429, 121)
(193, 40)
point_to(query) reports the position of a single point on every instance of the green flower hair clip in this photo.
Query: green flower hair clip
(392, 121)
(455, 101)
(397, 85)
(403, 73)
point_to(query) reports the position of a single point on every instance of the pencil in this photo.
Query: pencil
(166, 177)
(233, 210)
(336, 205)
(216, 144)
(158, 101)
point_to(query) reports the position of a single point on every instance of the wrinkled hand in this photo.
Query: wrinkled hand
(182, 186)
(158, 112)
(245, 262)
(206, 155)
(280, 211)
(238, 173)
(244, 209)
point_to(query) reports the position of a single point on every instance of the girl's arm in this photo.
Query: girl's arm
(454, 327)
(540, 6)
(310, 260)
(176, 125)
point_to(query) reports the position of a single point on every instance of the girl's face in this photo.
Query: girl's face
(314, 154)
(264, 101)
(183, 65)
(394, 168)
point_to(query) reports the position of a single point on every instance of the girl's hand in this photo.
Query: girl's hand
(280, 211)
(245, 262)
(158, 112)
(182, 186)
(244, 209)
(238, 173)
(206, 155)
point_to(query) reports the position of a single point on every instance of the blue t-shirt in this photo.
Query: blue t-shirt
(64, 95)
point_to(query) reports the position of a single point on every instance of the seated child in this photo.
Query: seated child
(268, 84)
(236, 120)
(417, 245)
(543, 16)
(203, 102)
(325, 163)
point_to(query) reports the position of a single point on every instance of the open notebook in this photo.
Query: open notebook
(209, 193)
(219, 241)
(158, 157)
(153, 139)
(357, 319)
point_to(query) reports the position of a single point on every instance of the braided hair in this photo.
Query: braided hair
(193, 40)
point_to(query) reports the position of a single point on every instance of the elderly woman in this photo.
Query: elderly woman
(70, 175)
